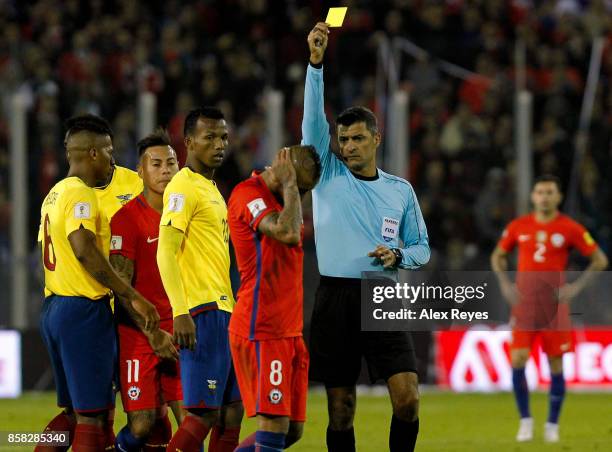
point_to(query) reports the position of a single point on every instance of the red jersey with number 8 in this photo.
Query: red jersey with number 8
(270, 299)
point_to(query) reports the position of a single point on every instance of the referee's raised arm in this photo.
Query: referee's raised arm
(315, 128)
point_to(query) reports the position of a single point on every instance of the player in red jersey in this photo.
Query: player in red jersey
(269, 354)
(540, 298)
(149, 375)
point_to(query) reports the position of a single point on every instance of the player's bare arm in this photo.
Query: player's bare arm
(598, 262)
(285, 226)
(83, 243)
(160, 340)
(170, 241)
(499, 264)
(317, 42)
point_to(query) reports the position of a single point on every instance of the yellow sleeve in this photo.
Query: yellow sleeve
(170, 241)
(80, 209)
(179, 204)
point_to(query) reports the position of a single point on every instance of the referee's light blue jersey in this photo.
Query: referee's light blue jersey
(353, 215)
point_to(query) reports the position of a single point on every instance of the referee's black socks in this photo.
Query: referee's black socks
(341, 440)
(403, 435)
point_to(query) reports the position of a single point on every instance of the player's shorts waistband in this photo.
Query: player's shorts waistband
(210, 306)
(339, 282)
(104, 299)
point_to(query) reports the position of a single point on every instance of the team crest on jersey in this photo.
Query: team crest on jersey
(541, 236)
(390, 228)
(123, 199)
(133, 393)
(557, 240)
(212, 385)
(275, 396)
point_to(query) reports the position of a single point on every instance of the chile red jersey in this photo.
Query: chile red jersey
(134, 235)
(545, 247)
(543, 251)
(270, 298)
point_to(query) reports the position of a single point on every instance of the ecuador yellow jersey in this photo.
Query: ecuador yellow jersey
(194, 205)
(124, 185)
(70, 205)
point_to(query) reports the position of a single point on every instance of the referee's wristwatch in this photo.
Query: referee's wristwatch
(398, 256)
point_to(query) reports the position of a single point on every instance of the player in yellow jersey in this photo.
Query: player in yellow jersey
(76, 320)
(194, 262)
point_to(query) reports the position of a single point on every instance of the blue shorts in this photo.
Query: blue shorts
(207, 374)
(80, 337)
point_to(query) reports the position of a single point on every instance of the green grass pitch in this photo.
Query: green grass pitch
(449, 422)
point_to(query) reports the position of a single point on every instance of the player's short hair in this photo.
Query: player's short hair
(202, 112)
(549, 178)
(88, 123)
(159, 137)
(309, 170)
(358, 114)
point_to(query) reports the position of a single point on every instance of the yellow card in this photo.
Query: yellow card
(335, 16)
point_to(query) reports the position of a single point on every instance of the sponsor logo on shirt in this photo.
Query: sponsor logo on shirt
(82, 210)
(116, 242)
(390, 227)
(150, 240)
(256, 207)
(176, 202)
(523, 237)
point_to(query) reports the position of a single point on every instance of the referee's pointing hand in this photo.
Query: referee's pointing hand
(386, 256)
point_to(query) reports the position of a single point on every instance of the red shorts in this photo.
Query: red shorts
(554, 343)
(147, 382)
(272, 376)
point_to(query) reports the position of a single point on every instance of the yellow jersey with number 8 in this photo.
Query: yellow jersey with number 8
(69, 206)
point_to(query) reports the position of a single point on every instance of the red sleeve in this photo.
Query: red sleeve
(123, 237)
(251, 205)
(508, 238)
(581, 239)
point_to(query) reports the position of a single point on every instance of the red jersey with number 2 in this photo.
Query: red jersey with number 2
(545, 247)
(270, 298)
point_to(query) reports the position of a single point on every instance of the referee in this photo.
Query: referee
(365, 220)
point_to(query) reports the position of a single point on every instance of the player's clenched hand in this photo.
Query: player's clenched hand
(163, 345)
(510, 293)
(385, 255)
(184, 331)
(317, 42)
(283, 169)
(148, 312)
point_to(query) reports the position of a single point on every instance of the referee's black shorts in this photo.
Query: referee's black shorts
(337, 342)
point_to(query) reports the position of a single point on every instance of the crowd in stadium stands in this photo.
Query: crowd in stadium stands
(71, 56)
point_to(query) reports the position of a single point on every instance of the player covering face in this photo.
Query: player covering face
(269, 355)
(148, 366)
(540, 297)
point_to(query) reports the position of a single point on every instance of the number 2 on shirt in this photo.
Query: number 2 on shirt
(538, 256)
